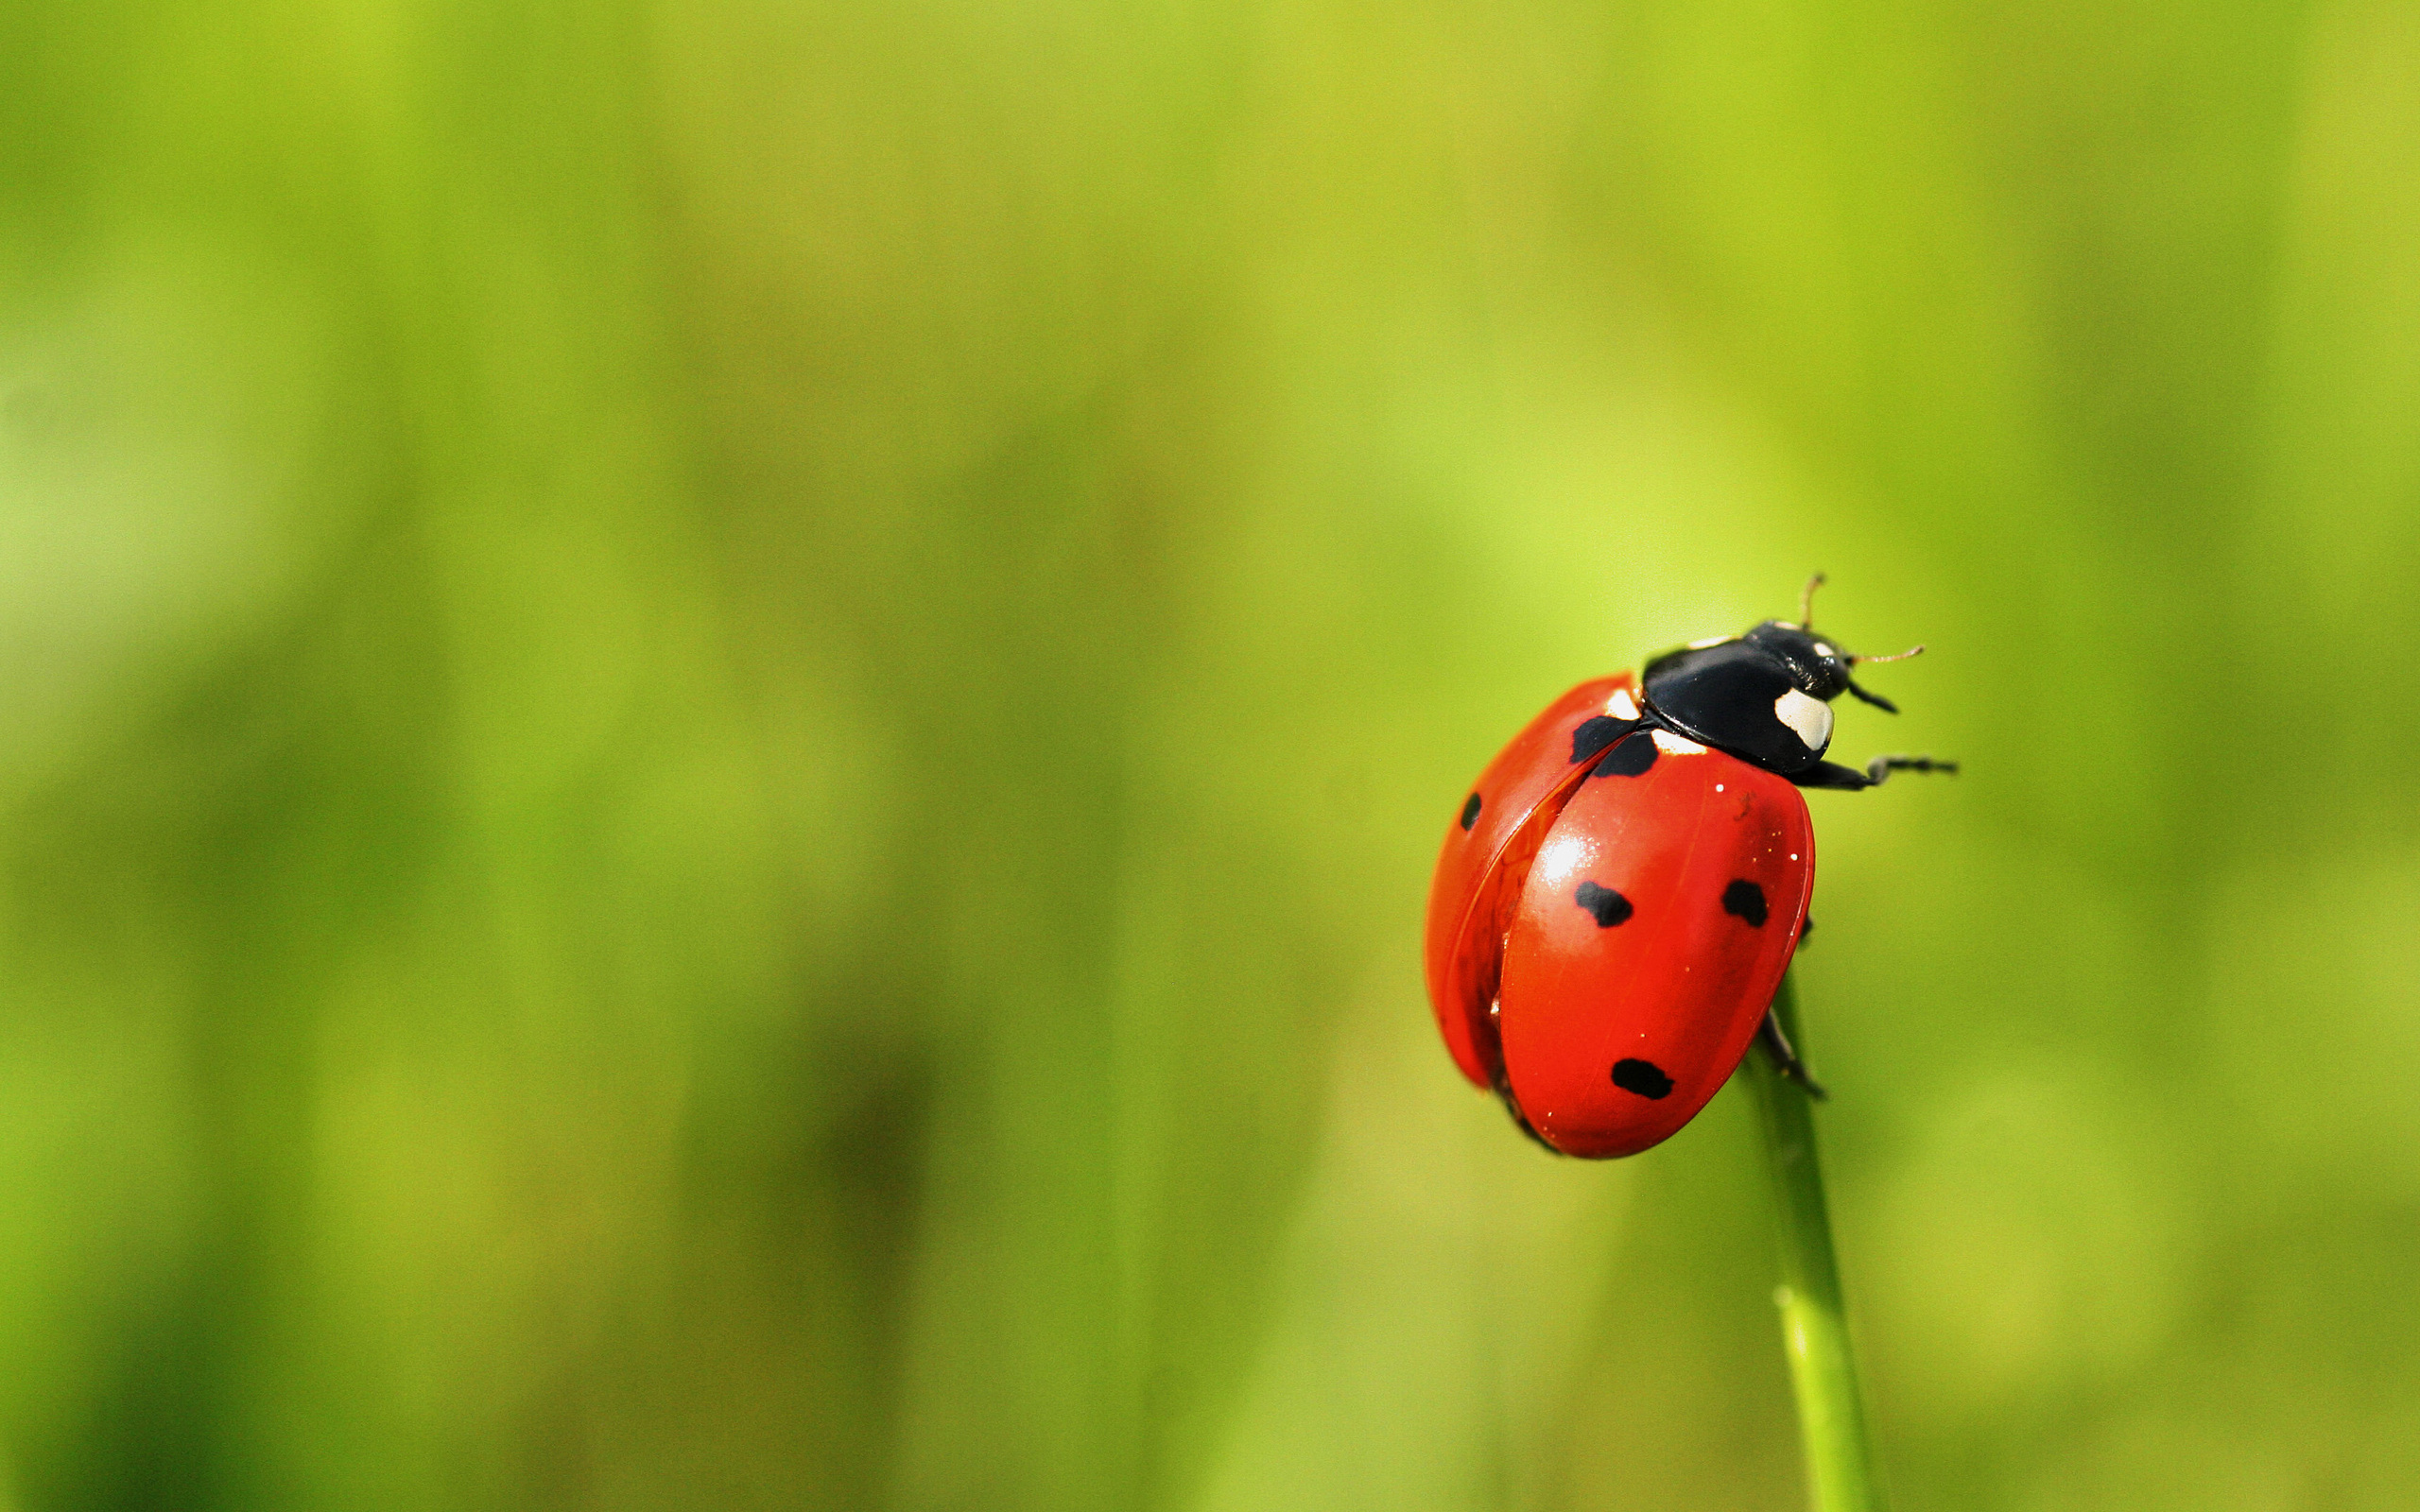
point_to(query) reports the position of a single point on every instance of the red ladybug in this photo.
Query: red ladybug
(1615, 904)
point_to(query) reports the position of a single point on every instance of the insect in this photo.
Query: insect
(1620, 893)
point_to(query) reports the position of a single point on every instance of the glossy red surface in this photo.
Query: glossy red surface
(1471, 897)
(1681, 982)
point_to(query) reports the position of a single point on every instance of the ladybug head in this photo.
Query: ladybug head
(1820, 668)
(1817, 667)
(1762, 696)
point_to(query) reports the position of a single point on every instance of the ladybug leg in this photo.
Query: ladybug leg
(1882, 767)
(1785, 1058)
(1831, 774)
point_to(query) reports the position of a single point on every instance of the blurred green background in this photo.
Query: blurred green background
(725, 722)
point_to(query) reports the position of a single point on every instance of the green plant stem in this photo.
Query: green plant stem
(1814, 1325)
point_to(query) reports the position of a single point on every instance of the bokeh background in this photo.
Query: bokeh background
(724, 723)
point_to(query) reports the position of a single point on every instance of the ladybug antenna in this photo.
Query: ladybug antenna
(1881, 703)
(1913, 650)
(1807, 602)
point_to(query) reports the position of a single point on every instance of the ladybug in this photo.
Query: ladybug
(1621, 891)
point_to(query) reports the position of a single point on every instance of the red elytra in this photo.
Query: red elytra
(1603, 944)
(1528, 780)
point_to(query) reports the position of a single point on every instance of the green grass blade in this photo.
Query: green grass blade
(1822, 1370)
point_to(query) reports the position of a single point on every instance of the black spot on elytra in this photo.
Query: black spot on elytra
(1607, 906)
(1470, 811)
(1745, 899)
(1644, 1077)
(1593, 736)
(1628, 759)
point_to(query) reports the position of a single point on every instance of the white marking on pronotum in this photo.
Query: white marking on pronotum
(1822, 650)
(1810, 719)
(1711, 640)
(1672, 744)
(1621, 705)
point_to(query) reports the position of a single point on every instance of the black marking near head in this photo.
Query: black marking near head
(1605, 905)
(1630, 758)
(1745, 899)
(1644, 1077)
(1470, 811)
(1593, 736)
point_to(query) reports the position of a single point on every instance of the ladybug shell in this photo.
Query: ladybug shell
(1487, 851)
(1648, 937)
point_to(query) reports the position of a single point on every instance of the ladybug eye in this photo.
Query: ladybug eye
(1811, 719)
